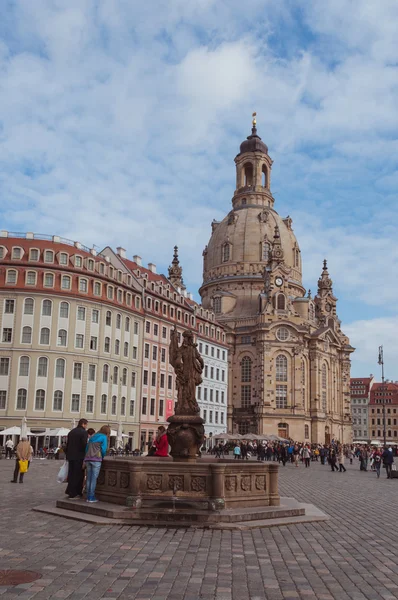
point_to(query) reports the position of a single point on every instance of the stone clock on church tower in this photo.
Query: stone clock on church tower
(289, 360)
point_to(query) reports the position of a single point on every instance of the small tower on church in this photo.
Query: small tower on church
(325, 300)
(175, 271)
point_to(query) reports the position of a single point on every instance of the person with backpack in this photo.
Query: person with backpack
(96, 449)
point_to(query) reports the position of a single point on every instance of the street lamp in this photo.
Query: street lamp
(381, 362)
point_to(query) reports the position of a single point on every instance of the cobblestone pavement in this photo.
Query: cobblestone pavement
(353, 556)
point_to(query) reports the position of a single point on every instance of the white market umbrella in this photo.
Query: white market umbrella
(113, 433)
(119, 438)
(11, 431)
(60, 432)
(24, 428)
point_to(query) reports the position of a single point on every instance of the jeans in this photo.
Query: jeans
(388, 471)
(93, 469)
(377, 467)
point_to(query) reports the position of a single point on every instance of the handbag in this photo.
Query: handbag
(62, 476)
(23, 466)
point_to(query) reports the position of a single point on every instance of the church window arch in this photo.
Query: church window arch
(226, 252)
(281, 302)
(266, 251)
(297, 257)
(217, 304)
(281, 367)
(264, 176)
(303, 373)
(248, 174)
(246, 369)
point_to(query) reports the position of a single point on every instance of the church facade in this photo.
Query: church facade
(289, 361)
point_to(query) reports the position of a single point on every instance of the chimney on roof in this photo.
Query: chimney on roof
(137, 259)
(152, 267)
(190, 295)
(121, 252)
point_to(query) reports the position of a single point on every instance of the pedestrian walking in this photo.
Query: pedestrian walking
(340, 458)
(307, 456)
(97, 447)
(9, 448)
(237, 452)
(296, 454)
(75, 453)
(332, 459)
(23, 453)
(388, 460)
(377, 462)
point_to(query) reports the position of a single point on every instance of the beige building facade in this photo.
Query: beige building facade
(71, 328)
(289, 361)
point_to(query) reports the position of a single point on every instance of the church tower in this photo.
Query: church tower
(289, 360)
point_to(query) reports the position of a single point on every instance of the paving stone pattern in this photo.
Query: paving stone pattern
(353, 556)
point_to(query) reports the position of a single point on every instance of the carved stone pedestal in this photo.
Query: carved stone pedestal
(185, 435)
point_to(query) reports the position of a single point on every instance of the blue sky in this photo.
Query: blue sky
(119, 123)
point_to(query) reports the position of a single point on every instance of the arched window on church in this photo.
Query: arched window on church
(297, 257)
(281, 368)
(324, 386)
(246, 369)
(303, 373)
(266, 251)
(217, 304)
(248, 174)
(281, 302)
(226, 252)
(264, 176)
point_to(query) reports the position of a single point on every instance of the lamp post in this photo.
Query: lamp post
(381, 363)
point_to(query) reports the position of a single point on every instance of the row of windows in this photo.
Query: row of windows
(62, 340)
(379, 421)
(210, 394)
(214, 352)
(155, 353)
(214, 373)
(112, 293)
(380, 433)
(378, 411)
(75, 405)
(60, 365)
(152, 406)
(218, 417)
(47, 310)
(63, 258)
(162, 380)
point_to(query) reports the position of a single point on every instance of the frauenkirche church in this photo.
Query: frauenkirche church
(289, 360)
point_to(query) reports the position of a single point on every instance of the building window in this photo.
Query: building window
(282, 334)
(63, 258)
(24, 363)
(109, 292)
(281, 368)
(164, 333)
(115, 374)
(3, 399)
(133, 379)
(306, 432)
(7, 334)
(127, 324)
(113, 405)
(104, 401)
(29, 306)
(170, 382)
(62, 336)
(118, 321)
(2, 252)
(16, 253)
(83, 285)
(95, 316)
(90, 404)
(107, 344)
(123, 406)
(81, 313)
(126, 349)
(154, 353)
(77, 370)
(90, 264)
(226, 252)
(40, 399)
(26, 335)
(91, 372)
(45, 336)
(161, 408)
(281, 396)
(281, 302)
(60, 368)
(135, 352)
(46, 309)
(105, 373)
(97, 289)
(132, 408)
(11, 276)
(57, 401)
(144, 406)
(152, 407)
(136, 328)
(75, 407)
(108, 318)
(155, 330)
(9, 307)
(146, 350)
(79, 340)
(162, 380)
(34, 254)
(42, 367)
(93, 342)
(4, 366)
(217, 305)
(124, 377)
(246, 369)
(49, 280)
(117, 346)
(64, 310)
(324, 381)
(245, 395)
(78, 261)
(21, 399)
(48, 256)
(65, 282)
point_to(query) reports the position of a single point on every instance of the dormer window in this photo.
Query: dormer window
(48, 256)
(16, 253)
(102, 268)
(63, 258)
(11, 276)
(2, 252)
(34, 254)
(90, 264)
(111, 271)
(226, 252)
(78, 262)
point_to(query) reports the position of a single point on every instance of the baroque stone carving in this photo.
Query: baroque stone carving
(176, 482)
(198, 484)
(230, 483)
(154, 482)
(245, 483)
(263, 216)
(124, 480)
(260, 482)
(101, 478)
(112, 478)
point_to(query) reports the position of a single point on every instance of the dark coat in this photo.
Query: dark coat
(387, 457)
(76, 444)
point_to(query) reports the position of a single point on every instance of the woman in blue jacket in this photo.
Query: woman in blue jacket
(96, 449)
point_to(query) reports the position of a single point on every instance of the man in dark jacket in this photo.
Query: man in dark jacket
(388, 460)
(75, 452)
